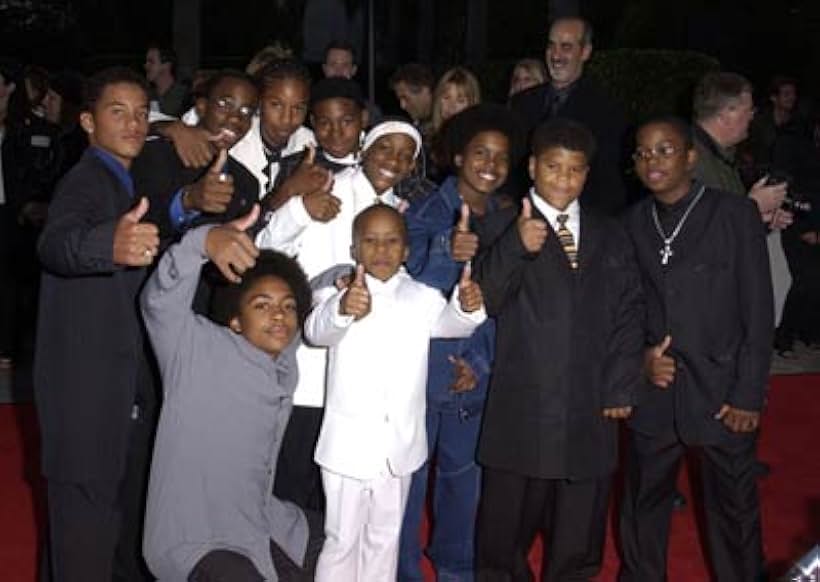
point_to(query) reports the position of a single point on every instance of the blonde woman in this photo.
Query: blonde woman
(457, 89)
(527, 73)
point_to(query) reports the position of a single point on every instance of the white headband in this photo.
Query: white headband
(388, 127)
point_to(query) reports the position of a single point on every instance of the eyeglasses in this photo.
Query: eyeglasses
(664, 151)
(228, 106)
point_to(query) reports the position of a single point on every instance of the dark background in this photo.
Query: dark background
(755, 37)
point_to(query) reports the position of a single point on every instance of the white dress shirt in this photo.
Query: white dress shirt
(551, 214)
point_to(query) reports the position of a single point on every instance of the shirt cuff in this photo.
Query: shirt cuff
(180, 218)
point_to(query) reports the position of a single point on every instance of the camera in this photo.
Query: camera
(794, 202)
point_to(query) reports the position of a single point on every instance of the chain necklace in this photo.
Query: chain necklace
(666, 252)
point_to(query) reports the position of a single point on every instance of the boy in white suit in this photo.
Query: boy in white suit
(373, 433)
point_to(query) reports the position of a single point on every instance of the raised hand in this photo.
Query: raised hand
(230, 249)
(213, 191)
(469, 293)
(321, 205)
(192, 144)
(464, 243)
(659, 367)
(465, 379)
(738, 420)
(533, 231)
(769, 197)
(356, 300)
(135, 242)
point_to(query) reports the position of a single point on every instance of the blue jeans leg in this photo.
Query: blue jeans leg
(410, 541)
(455, 504)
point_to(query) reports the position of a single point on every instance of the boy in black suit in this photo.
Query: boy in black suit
(705, 271)
(565, 291)
(92, 383)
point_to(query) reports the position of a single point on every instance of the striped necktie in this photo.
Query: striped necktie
(567, 241)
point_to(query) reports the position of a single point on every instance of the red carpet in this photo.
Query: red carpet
(790, 495)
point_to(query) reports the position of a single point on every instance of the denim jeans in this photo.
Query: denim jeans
(452, 436)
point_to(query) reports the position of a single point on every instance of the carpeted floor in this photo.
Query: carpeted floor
(790, 495)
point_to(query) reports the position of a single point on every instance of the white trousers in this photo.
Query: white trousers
(362, 525)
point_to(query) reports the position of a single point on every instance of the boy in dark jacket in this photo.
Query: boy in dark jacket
(564, 288)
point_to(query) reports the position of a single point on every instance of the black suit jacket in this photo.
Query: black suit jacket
(159, 174)
(605, 190)
(90, 364)
(715, 300)
(568, 344)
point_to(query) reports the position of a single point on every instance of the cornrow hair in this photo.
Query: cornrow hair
(280, 70)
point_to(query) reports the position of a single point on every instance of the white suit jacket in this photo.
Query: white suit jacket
(374, 420)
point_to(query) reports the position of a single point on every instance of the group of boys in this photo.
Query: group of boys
(663, 318)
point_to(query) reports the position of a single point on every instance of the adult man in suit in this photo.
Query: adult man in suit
(572, 95)
(705, 273)
(93, 384)
(565, 290)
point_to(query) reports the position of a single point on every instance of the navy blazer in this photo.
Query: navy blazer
(568, 345)
(89, 357)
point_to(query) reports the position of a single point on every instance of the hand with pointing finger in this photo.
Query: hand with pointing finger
(469, 293)
(356, 299)
(231, 249)
(464, 243)
(658, 366)
(135, 242)
(532, 231)
(213, 191)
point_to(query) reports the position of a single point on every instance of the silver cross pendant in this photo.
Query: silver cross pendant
(666, 252)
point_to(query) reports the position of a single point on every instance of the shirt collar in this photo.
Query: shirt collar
(551, 213)
(120, 172)
(365, 191)
(385, 287)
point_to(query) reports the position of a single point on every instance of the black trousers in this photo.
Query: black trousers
(730, 497)
(229, 566)
(95, 527)
(513, 508)
(801, 311)
(298, 478)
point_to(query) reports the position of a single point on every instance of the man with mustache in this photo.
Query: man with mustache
(570, 94)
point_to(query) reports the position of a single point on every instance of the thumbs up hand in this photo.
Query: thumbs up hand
(135, 243)
(231, 249)
(464, 243)
(213, 191)
(469, 293)
(532, 231)
(356, 300)
(658, 366)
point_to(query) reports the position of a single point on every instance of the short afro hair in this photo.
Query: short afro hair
(227, 297)
(681, 127)
(218, 76)
(563, 133)
(460, 130)
(97, 83)
(379, 208)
